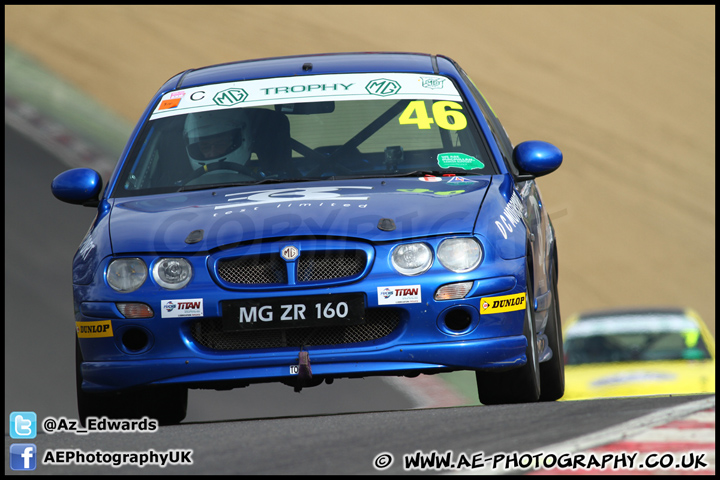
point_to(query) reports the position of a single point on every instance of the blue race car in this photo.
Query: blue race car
(307, 218)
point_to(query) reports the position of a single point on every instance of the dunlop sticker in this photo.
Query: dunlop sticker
(506, 303)
(99, 329)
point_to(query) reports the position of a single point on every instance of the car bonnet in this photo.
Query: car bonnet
(204, 220)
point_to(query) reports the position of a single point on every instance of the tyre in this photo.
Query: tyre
(167, 405)
(552, 372)
(519, 385)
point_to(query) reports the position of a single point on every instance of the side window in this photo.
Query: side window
(142, 169)
(498, 131)
(160, 159)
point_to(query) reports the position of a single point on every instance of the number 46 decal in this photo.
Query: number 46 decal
(445, 114)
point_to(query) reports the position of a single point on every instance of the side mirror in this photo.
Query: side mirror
(535, 158)
(79, 186)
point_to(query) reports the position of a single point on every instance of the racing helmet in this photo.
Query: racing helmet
(218, 135)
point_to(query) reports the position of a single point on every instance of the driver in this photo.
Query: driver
(217, 136)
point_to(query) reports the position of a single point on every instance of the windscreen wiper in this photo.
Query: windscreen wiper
(210, 186)
(283, 180)
(415, 173)
(433, 173)
(418, 173)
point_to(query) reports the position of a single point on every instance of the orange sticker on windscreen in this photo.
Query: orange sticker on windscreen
(168, 104)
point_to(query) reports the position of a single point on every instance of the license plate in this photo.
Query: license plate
(292, 312)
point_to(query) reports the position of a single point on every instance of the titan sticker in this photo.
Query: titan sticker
(103, 328)
(399, 295)
(191, 307)
(506, 303)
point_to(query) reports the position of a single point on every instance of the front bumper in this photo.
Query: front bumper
(422, 338)
(501, 353)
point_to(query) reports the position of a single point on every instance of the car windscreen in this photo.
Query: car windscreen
(632, 339)
(311, 128)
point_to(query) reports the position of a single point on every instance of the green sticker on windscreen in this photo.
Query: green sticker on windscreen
(458, 160)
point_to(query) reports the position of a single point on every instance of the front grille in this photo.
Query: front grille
(311, 267)
(380, 322)
(253, 270)
(330, 265)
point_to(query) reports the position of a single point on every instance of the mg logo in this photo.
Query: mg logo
(382, 87)
(289, 253)
(230, 96)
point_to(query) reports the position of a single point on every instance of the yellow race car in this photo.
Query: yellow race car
(618, 353)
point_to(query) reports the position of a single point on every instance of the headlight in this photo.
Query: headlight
(172, 273)
(412, 258)
(126, 274)
(460, 254)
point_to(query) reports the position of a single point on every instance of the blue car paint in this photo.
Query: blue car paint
(350, 208)
(64, 186)
(158, 225)
(164, 224)
(534, 156)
